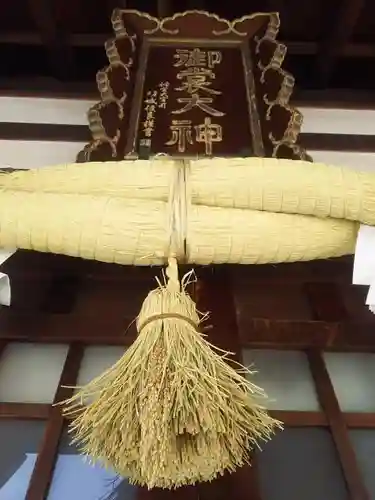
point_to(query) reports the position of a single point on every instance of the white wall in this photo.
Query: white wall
(32, 154)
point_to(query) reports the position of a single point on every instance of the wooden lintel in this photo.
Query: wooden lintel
(344, 21)
(81, 133)
(295, 47)
(53, 37)
(196, 4)
(25, 411)
(256, 333)
(165, 8)
(32, 266)
(115, 4)
(42, 411)
(300, 418)
(300, 335)
(51, 88)
(326, 301)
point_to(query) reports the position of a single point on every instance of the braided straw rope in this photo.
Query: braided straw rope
(239, 210)
(172, 411)
(268, 184)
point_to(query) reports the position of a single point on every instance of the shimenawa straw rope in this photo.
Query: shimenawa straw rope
(240, 210)
(171, 411)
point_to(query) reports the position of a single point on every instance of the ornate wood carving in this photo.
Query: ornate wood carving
(193, 85)
(280, 122)
(109, 119)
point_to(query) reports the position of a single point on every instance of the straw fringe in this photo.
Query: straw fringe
(171, 411)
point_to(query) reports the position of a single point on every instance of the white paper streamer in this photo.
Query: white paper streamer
(364, 263)
(5, 288)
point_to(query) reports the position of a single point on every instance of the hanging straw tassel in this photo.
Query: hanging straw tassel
(171, 411)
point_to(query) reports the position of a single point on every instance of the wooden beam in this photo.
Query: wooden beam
(360, 420)
(300, 418)
(64, 288)
(295, 47)
(337, 271)
(45, 463)
(213, 294)
(330, 405)
(257, 333)
(338, 142)
(24, 411)
(53, 37)
(81, 133)
(44, 132)
(339, 34)
(28, 265)
(327, 304)
(33, 295)
(38, 86)
(115, 4)
(276, 6)
(165, 8)
(196, 4)
(281, 6)
(41, 411)
(334, 98)
(51, 88)
(27, 326)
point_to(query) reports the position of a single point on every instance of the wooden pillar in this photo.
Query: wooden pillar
(213, 293)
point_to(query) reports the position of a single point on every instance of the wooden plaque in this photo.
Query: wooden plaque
(193, 85)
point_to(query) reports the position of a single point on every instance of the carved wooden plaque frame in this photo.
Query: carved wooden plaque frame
(258, 87)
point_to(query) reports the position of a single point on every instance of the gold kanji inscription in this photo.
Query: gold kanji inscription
(197, 57)
(181, 135)
(151, 97)
(208, 133)
(163, 95)
(150, 103)
(196, 79)
(195, 100)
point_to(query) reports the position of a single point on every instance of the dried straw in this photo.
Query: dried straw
(234, 236)
(140, 179)
(137, 232)
(268, 184)
(171, 411)
(115, 230)
(284, 186)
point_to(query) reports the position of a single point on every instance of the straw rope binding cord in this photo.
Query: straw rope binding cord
(171, 411)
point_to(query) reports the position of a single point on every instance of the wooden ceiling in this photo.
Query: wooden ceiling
(331, 44)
